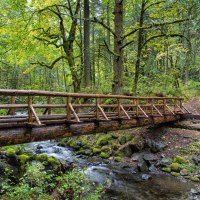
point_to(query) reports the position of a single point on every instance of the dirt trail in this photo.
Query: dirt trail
(193, 105)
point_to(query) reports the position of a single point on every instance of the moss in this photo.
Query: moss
(166, 169)
(104, 140)
(117, 158)
(175, 167)
(105, 149)
(42, 157)
(195, 179)
(175, 173)
(53, 161)
(10, 152)
(179, 159)
(122, 140)
(114, 146)
(104, 155)
(83, 141)
(23, 159)
(129, 137)
(96, 150)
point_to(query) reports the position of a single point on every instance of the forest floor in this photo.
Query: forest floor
(193, 105)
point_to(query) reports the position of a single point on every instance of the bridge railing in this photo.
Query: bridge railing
(77, 107)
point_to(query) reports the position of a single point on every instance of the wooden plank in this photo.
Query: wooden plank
(142, 111)
(125, 112)
(157, 110)
(74, 113)
(103, 113)
(35, 115)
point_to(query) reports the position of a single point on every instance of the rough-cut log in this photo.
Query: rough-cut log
(18, 135)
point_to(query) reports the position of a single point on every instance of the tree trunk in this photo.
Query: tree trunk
(139, 47)
(118, 57)
(87, 67)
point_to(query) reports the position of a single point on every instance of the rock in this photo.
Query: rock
(164, 162)
(166, 169)
(10, 152)
(152, 168)
(184, 172)
(42, 157)
(122, 140)
(175, 173)
(125, 151)
(157, 146)
(103, 140)
(104, 155)
(149, 157)
(180, 159)
(142, 166)
(175, 167)
(96, 150)
(137, 143)
(195, 179)
(196, 160)
(117, 158)
(146, 177)
(194, 195)
(137, 157)
(23, 159)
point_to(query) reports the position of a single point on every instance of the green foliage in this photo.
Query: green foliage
(23, 159)
(10, 152)
(36, 183)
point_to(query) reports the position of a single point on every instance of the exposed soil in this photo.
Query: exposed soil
(193, 105)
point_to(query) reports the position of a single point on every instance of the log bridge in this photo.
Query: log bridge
(30, 115)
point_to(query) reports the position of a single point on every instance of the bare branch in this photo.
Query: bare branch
(95, 20)
(109, 50)
(52, 64)
(156, 3)
(154, 25)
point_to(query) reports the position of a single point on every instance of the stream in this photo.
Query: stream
(123, 182)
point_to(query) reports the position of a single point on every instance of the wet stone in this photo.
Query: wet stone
(196, 160)
(146, 177)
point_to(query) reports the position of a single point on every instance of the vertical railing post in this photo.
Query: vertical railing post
(137, 110)
(68, 110)
(30, 113)
(164, 106)
(152, 103)
(97, 109)
(175, 103)
(49, 102)
(118, 108)
(12, 109)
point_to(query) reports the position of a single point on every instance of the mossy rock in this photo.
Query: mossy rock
(75, 144)
(104, 140)
(53, 161)
(195, 179)
(184, 172)
(96, 150)
(23, 158)
(129, 137)
(42, 157)
(175, 173)
(166, 169)
(114, 136)
(83, 141)
(122, 139)
(10, 152)
(105, 149)
(104, 155)
(114, 146)
(175, 167)
(180, 160)
(117, 158)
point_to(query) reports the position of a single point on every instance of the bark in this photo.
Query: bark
(118, 42)
(87, 67)
(139, 47)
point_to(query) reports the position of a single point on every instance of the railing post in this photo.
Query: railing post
(175, 103)
(97, 108)
(137, 109)
(49, 102)
(30, 113)
(152, 103)
(118, 108)
(68, 108)
(164, 106)
(12, 109)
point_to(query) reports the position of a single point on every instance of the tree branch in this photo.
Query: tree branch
(164, 35)
(153, 26)
(95, 20)
(109, 50)
(156, 3)
(52, 64)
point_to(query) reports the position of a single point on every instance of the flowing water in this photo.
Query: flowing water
(122, 182)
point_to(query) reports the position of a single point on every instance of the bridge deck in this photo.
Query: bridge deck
(73, 113)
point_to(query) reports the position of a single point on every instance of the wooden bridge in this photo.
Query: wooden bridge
(27, 116)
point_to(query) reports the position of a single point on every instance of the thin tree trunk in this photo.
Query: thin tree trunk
(118, 57)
